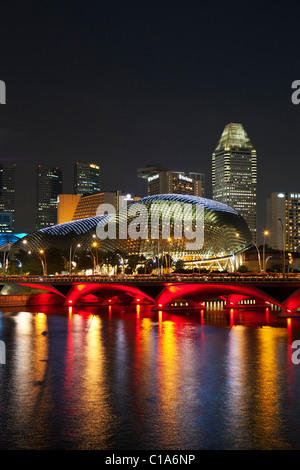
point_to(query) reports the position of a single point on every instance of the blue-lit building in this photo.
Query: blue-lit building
(7, 241)
(10, 238)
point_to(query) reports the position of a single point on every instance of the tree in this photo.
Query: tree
(30, 262)
(113, 258)
(134, 260)
(167, 260)
(275, 268)
(179, 266)
(242, 269)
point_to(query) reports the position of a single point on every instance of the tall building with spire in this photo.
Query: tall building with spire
(234, 173)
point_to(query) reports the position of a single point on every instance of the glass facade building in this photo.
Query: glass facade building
(283, 215)
(234, 173)
(49, 186)
(87, 178)
(7, 196)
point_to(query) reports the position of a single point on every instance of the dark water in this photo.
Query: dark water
(133, 379)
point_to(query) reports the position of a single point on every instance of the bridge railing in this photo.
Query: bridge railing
(228, 277)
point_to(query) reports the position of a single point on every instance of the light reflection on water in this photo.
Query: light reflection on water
(134, 379)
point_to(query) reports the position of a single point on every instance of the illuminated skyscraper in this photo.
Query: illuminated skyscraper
(283, 212)
(7, 196)
(234, 173)
(161, 181)
(86, 178)
(49, 186)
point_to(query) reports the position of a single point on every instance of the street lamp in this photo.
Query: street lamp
(121, 262)
(258, 256)
(71, 255)
(95, 245)
(158, 253)
(233, 258)
(94, 262)
(43, 261)
(5, 257)
(169, 256)
(266, 233)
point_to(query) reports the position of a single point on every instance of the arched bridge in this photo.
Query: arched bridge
(161, 292)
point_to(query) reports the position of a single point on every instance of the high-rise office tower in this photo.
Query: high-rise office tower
(7, 196)
(283, 211)
(198, 177)
(234, 173)
(160, 181)
(49, 186)
(86, 178)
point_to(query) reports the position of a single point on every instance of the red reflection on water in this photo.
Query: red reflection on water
(267, 315)
(289, 329)
(138, 309)
(231, 316)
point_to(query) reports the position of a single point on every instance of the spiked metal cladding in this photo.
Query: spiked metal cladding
(61, 236)
(225, 231)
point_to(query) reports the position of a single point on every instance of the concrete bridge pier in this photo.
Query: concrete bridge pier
(233, 299)
(289, 312)
(291, 305)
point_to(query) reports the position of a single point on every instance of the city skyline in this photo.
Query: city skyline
(267, 225)
(127, 97)
(150, 259)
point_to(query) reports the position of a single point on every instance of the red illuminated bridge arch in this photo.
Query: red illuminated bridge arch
(204, 292)
(80, 290)
(162, 294)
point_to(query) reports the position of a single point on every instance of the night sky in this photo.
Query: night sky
(126, 84)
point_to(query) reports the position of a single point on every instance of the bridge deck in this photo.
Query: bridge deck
(280, 290)
(178, 278)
